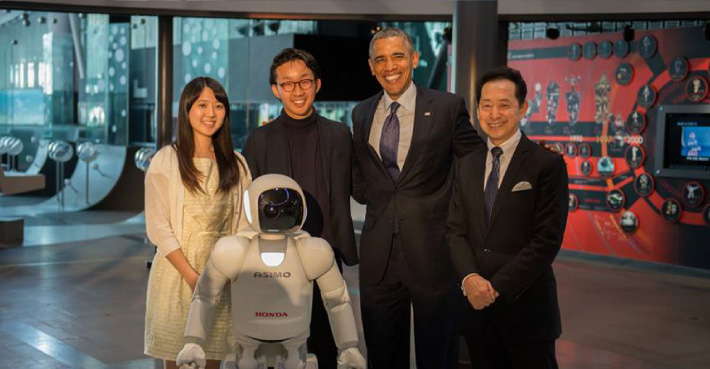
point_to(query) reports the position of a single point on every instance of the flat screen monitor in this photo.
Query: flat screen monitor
(683, 141)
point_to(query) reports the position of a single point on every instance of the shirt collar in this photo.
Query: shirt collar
(509, 145)
(407, 100)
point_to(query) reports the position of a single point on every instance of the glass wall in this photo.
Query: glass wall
(76, 77)
(89, 77)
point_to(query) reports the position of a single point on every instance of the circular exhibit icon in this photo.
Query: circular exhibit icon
(647, 46)
(574, 52)
(605, 166)
(696, 89)
(615, 200)
(559, 147)
(678, 68)
(571, 149)
(628, 222)
(589, 50)
(624, 74)
(644, 184)
(585, 150)
(636, 122)
(605, 49)
(573, 203)
(646, 96)
(671, 210)
(621, 48)
(706, 215)
(693, 194)
(635, 155)
(585, 168)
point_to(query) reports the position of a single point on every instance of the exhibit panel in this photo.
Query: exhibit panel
(628, 103)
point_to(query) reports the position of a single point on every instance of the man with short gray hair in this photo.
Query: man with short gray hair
(405, 140)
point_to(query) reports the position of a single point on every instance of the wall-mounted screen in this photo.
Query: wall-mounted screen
(683, 141)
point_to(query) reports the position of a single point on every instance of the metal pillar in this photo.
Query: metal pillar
(477, 46)
(165, 81)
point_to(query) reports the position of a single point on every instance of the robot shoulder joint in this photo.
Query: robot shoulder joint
(229, 252)
(316, 256)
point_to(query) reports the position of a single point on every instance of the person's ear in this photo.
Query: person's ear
(318, 84)
(275, 90)
(415, 60)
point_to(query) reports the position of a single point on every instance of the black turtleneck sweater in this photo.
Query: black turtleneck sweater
(307, 168)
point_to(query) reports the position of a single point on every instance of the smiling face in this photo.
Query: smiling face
(206, 114)
(392, 62)
(298, 103)
(499, 111)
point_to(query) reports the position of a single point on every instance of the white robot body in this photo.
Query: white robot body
(272, 302)
(271, 271)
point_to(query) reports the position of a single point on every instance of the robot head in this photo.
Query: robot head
(274, 203)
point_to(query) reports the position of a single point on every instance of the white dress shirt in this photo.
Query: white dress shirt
(405, 114)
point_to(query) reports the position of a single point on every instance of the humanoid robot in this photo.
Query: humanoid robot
(271, 270)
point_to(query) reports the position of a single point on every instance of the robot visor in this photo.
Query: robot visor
(280, 209)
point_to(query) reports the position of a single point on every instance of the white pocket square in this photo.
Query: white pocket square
(522, 186)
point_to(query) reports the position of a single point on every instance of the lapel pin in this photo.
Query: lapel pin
(427, 114)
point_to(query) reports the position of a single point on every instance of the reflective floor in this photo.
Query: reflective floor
(68, 303)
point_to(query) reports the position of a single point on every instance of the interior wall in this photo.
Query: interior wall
(589, 96)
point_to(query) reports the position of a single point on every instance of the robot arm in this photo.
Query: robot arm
(224, 265)
(319, 265)
(340, 311)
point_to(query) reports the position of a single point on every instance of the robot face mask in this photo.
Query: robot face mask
(280, 209)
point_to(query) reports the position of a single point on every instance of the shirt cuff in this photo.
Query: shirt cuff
(463, 289)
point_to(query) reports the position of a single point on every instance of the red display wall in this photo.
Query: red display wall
(582, 92)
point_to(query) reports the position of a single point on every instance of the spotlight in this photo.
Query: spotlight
(14, 42)
(629, 33)
(552, 33)
(26, 23)
(375, 30)
(41, 20)
(706, 30)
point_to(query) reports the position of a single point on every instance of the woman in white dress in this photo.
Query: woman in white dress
(193, 197)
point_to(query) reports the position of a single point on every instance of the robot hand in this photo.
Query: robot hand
(192, 356)
(351, 359)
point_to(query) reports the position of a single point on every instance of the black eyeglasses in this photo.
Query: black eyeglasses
(305, 84)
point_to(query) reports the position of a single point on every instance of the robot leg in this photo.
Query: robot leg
(246, 358)
(296, 357)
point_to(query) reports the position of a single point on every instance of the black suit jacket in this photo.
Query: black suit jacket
(267, 152)
(416, 205)
(516, 248)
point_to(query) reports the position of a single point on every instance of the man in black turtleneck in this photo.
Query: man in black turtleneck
(316, 152)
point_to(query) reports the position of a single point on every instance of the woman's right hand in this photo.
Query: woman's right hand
(191, 279)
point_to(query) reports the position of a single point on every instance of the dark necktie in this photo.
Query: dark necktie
(492, 183)
(389, 141)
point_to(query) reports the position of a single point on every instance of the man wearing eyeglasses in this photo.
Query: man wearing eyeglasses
(316, 152)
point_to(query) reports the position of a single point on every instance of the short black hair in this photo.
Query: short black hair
(506, 73)
(291, 54)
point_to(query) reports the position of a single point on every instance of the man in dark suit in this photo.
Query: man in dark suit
(505, 226)
(405, 140)
(316, 152)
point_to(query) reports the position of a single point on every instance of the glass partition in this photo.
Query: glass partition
(76, 77)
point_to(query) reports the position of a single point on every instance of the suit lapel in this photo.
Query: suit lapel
(478, 171)
(511, 175)
(422, 128)
(278, 161)
(324, 142)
